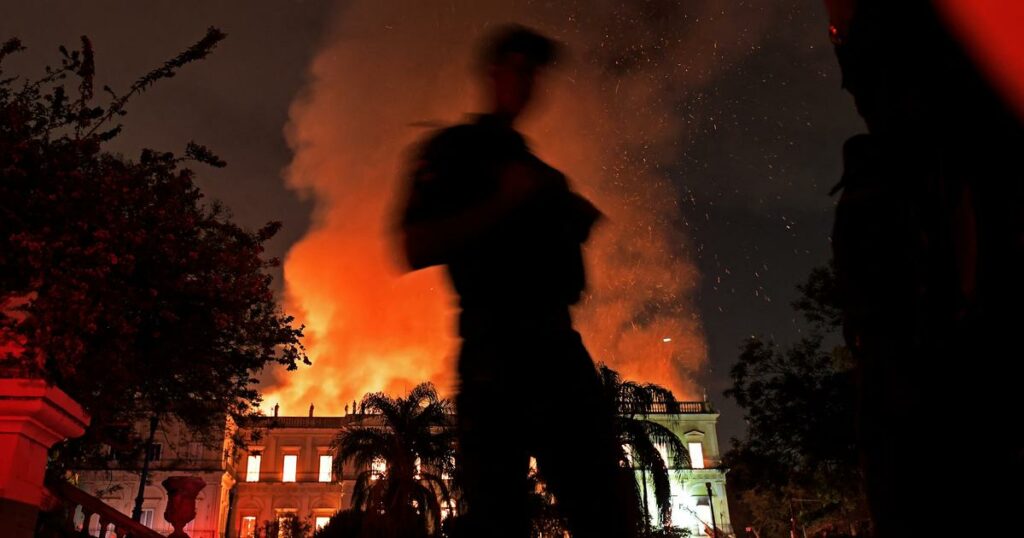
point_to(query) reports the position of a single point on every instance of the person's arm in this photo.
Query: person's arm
(433, 241)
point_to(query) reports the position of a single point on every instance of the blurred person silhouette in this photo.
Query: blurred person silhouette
(509, 230)
(929, 250)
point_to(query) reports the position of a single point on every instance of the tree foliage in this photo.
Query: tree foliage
(641, 437)
(412, 437)
(799, 458)
(118, 282)
(286, 526)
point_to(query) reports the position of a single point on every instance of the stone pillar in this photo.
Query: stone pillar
(181, 502)
(33, 417)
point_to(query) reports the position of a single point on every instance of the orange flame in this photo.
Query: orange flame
(372, 328)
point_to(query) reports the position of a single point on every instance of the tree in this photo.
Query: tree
(118, 283)
(402, 449)
(287, 526)
(640, 437)
(343, 524)
(799, 459)
(545, 519)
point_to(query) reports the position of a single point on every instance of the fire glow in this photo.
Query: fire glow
(384, 73)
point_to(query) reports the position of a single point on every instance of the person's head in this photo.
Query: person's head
(511, 57)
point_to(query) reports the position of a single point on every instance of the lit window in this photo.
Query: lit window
(417, 464)
(147, 517)
(291, 461)
(703, 513)
(252, 468)
(377, 468)
(248, 529)
(326, 461)
(321, 522)
(696, 455)
(448, 509)
(444, 472)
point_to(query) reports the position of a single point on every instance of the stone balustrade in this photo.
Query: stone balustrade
(74, 500)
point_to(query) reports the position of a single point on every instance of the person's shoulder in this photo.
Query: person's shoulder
(440, 154)
(447, 139)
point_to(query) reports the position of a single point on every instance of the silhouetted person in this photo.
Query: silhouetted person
(929, 248)
(509, 229)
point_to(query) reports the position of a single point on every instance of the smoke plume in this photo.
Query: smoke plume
(606, 117)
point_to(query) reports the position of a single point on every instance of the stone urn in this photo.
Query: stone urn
(181, 502)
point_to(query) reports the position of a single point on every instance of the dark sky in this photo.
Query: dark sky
(758, 161)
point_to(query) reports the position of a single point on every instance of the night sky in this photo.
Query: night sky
(760, 150)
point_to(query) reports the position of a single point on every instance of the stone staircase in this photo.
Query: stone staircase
(111, 522)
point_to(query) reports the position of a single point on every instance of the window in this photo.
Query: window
(195, 451)
(147, 517)
(448, 509)
(252, 469)
(703, 513)
(153, 454)
(377, 467)
(696, 455)
(326, 462)
(321, 522)
(286, 523)
(445, 475)
(248, 529)
(291, 461)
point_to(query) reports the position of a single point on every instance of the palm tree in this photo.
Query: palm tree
(403, 450)
(641, 437)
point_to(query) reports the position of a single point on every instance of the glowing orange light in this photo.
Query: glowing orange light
(369, 327)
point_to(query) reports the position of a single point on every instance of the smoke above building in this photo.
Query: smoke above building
(607, 116)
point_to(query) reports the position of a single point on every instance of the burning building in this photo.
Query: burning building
(388, 72)
(287, 469)
(609, 118)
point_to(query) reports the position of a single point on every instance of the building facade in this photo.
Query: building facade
(698, 489)
(114, 478)
(285, 467)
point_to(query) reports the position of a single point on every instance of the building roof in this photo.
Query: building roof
(337, 422)
(325, 422)
(669, 408)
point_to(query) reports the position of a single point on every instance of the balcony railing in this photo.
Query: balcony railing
(667, 408)
(110, 519)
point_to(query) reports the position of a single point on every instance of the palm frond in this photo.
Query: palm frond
(641, 437)
(679, 455)
(647, 457)
(361, 490)
(403, 431)
(361, 446)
